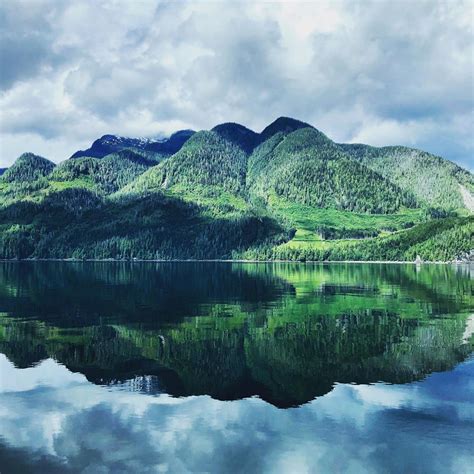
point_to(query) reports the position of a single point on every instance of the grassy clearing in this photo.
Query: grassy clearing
(307, 220)
(84, 183)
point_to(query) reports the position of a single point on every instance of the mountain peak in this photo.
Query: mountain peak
(28, 167)
(282, 124)
(32, 159)
(108, 143)
(172, 144)
(238, 134)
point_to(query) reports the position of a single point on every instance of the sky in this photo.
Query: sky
(381, 72)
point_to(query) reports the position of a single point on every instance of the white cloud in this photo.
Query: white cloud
(383, 72)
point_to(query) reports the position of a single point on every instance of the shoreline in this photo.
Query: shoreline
(137, 260)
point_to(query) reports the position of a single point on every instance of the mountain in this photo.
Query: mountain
(282, 125)
(206, 160)
(170, 145)
(105, 175)
(248, 140)
(433, 180)
(288, 192)
(306, 167)
(2, 170)
(111, 143)
(239, 135)
(27, 168)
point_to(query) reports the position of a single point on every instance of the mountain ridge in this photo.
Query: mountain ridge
(417, 171)
(112, 143)
(288, 192)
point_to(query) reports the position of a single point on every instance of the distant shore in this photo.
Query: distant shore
(138, 260)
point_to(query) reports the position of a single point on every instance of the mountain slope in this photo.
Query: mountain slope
(239, 135)
(27, 168)
(77, 223)
(105, 175)
(170, 145)
(206, 160)
(435, 240)
(308, 168)
(433, 180)
(282, 125)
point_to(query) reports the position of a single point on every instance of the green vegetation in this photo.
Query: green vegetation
(287, 193)
(284, 332)
(28, 168)
(436, 240)
(434, 181)
(108, 174)
(205, 160)
(329, 224)
(306, 167)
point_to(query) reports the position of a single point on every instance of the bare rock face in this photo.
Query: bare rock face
(467, 197)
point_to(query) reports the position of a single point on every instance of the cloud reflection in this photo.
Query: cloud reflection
(60, 421)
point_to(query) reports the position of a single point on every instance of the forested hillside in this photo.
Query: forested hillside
(433, 180)
(28, 168)
(288, 192)
(105, 175)
(239, 135)
(308, 168)
(205, 160)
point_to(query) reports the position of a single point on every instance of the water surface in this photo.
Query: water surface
(230, 367)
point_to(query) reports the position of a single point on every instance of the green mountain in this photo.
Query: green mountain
(433, 180)
(288, 192)
(28, 168)
(205, 160)
(239, 135)
(282, 125)
(308, 168)
(105, 175)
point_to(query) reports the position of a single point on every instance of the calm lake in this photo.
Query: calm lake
(233, 367)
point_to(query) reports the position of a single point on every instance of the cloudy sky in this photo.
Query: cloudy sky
(374, 72)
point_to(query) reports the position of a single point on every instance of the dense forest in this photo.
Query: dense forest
(288, 193)
(433, 180)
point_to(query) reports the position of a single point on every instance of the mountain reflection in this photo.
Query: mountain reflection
(285, 332)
